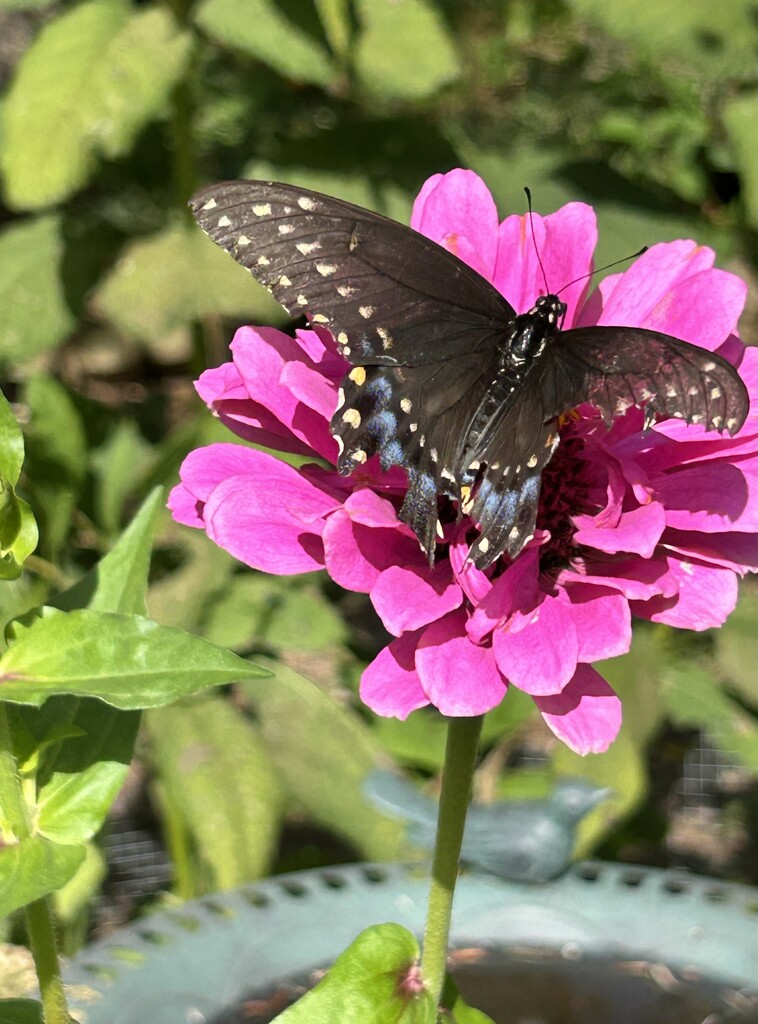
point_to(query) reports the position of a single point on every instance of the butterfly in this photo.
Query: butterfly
(446, 380)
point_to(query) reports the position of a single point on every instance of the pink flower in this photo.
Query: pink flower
(657, 524)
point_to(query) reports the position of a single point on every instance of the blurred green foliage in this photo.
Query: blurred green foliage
(111, 114)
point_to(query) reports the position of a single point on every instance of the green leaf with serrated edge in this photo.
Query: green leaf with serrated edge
(693, 698)
(20, 1011)
(90, 81)
(33, 868)
(11, 443)
(404, 50)
(215, 770)
(740, 118)
(173, 278)
(36, 316)
(312, 740)
(119, 580)
(262, 29)
(365, 984)
(737, 647)
(127, 661)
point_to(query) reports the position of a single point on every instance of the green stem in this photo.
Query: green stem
(460, 759)
(41, 932)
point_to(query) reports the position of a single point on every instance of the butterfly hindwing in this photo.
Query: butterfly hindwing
(617, 367)
(388, 294)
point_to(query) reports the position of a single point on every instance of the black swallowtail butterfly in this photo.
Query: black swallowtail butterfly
(446, 380)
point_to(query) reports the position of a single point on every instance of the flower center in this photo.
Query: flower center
(568, 482)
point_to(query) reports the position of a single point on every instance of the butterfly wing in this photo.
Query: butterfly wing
(617, 367)
(389, 295)
(613, 368)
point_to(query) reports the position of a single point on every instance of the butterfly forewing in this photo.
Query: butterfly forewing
(389, 295)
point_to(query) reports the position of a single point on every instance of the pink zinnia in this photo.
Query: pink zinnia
(657, 524)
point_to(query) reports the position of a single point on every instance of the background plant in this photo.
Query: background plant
(111, 300)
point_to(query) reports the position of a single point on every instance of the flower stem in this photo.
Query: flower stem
(41, 932)
(460, 758)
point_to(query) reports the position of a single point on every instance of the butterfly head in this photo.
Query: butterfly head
(531, 330)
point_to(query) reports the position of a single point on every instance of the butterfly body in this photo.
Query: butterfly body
(446, 380)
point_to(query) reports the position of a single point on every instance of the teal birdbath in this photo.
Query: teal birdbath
(603, 943)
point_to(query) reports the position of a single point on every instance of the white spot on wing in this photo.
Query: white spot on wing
(386, 337)
(264, 210)
(286, 229)
(224, 222)
(319, 318)
(484, 545)
(263, 261)
(716, 392)
(301, 300)
(210, 205)
(406, 405)
(366, 311)
(243, 240)
(284, 281)
(306, 248)
(325, 269)
(345, 290)
(307, 203)
(532, 462)
(353, 417)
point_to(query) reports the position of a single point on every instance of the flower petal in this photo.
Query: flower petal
(185, 507)
(712, 497)
(602, 619)
(279, 536)
(638, 531)
(515, 590)
(458, 677)
(390, 685)
(407, 597)
(565, 241)
(457, 211)
(538, 652)
(586, 715)
(707, 596)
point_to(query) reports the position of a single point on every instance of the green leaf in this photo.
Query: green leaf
(302, 726)
(737, 647)
(364, 986)
(20, 1011)
(36, 316)
(173, 278)
(693, 698)
(119, 465)
(214, 769)
(119, 580)
(85, 88)
(11, 443)
(335, 18)
(56, 461)
(33, 868)
(126, 661)
(457, 1011)
(262, 29)
(740, 118)
(404, 51)
(286, 614)
(694, 32)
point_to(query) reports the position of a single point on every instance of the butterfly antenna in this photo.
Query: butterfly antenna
(534, 239)
(608, 266)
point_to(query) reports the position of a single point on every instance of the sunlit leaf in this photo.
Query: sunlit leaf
(90, 81)
(262, 29)
(215, 770)
(404, 50)
(126, 661)
(365, 984)
(35, 313)
(171, 279)
(33, 868)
